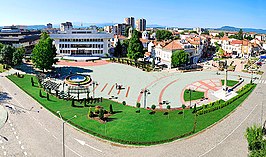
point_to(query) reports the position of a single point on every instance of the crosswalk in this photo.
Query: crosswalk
(261, 82)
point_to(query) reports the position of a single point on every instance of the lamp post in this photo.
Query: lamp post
(93, 87)
(145, 91)
(251, 77)
(190, 91)
(63, 141)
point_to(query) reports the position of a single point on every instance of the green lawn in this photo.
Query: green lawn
(126, 124)
(230, 83)
(195, 95)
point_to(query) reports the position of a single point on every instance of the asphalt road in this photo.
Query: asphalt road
(33, 133)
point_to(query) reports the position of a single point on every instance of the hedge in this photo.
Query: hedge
(219, 104)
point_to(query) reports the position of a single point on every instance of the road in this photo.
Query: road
(33, 133)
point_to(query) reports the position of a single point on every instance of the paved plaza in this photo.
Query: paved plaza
(30, 132)
(165, 86)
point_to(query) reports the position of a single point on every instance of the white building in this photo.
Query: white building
(164, 52)
(66, 26)
(82, 42)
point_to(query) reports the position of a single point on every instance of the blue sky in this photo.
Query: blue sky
(185, 13)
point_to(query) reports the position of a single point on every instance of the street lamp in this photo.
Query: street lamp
(190, 91)
(145, 91)
(93, 87)
(63, 142)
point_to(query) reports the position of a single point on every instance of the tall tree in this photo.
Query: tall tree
(18, 56)
(44, 53)
(178, 58)
(118, 49)
(127, 31)
(240, 34)
(6, 54)
(135, 47)
(163, 35)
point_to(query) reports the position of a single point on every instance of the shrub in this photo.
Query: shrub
(138, 105)
(101, 114)
(111, 109)
(153, 107)
(124, 103)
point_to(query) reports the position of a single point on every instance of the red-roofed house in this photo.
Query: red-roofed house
(164, 52)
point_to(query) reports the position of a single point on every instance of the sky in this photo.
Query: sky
(171, 13)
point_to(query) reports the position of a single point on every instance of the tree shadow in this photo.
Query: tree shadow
(27, 68)
(4, 96)
(110, 119)
(115, 112)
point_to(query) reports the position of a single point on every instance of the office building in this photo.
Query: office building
(66, 26)
(130, 21)
(82, 42)
(141, 25)
(12, 35)
(49, 26)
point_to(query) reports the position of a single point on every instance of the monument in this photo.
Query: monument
(225, 93)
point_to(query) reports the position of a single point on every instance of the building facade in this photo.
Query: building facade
(141, 25)
(12, 35)
(66, 26)
(120, 29)
(130, 21)
(49, 26)
(82, 42)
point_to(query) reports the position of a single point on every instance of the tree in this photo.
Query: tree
(168, 108)
(135, 47)
(43, 53)
(153, 109)
(111, 109)
(183, 107)
(127, 31)
(249, 37)
(18, 56)
(163, 35)
(90, 113)
(6, 54)
(240, 34)
(217, 46)
(178, 58)
(138, 106)
(118, 49)
(101, 114)
(220, 52)
(221, 34)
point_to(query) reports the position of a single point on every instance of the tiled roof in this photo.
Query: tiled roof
(225, 38)
(174, 45)
(236, 42)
